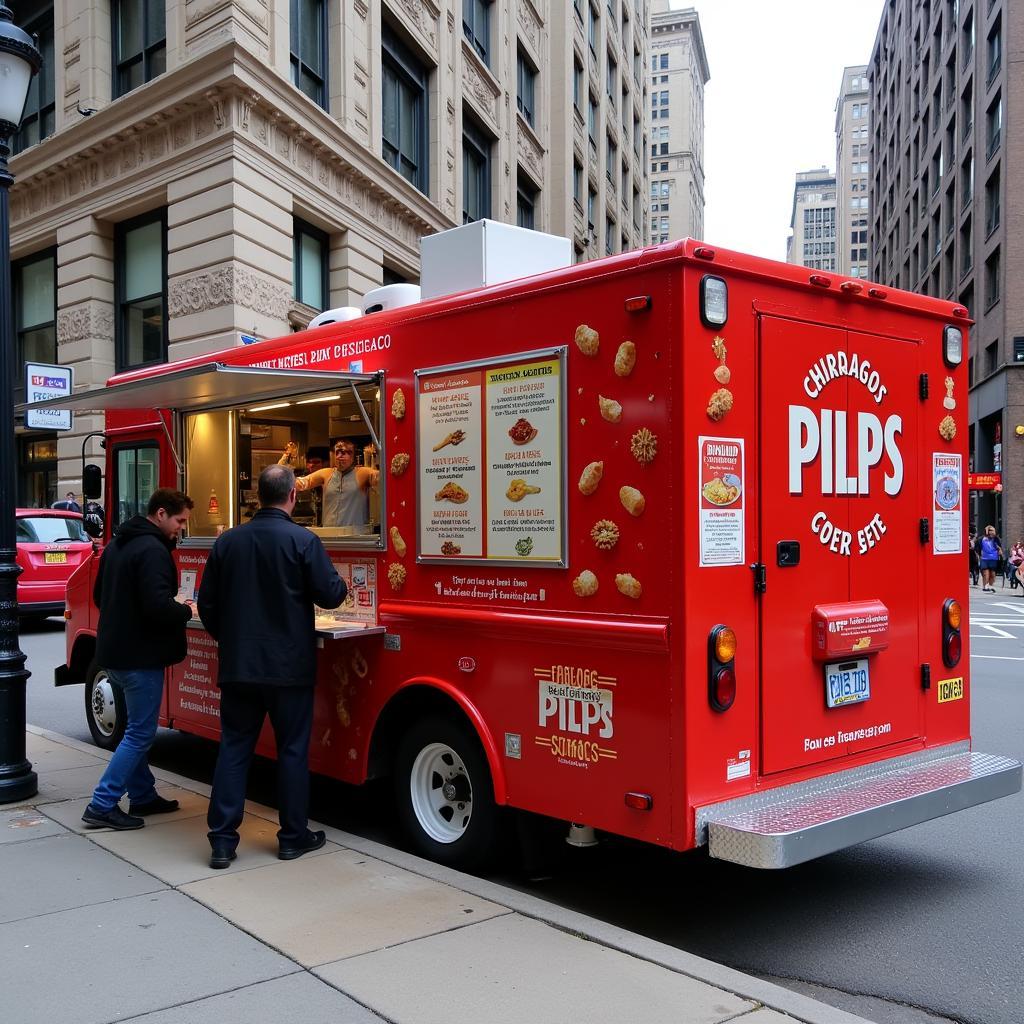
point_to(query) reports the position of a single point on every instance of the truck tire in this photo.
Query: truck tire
(105, 709)
(444, 794)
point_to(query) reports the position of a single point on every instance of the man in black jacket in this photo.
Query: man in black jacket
(141, 631)
(256, 600)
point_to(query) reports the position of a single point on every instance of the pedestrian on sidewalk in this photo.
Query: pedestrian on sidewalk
(1015, 560)
(141, 631)
(972, 556)
(256, 600)
(990, 553)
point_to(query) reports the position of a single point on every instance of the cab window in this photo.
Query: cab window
(323, 437)
(137, 476)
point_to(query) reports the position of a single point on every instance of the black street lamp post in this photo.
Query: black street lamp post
(19, 61)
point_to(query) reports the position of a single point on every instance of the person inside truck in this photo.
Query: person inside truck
(346, 486)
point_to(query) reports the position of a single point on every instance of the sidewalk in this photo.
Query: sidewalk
(101, 926)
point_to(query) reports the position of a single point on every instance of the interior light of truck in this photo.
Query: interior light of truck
(952, 644)
(721, 668)
(323, 398)
(273, 405)
(714, 301)
(638, 303)
(953, 346)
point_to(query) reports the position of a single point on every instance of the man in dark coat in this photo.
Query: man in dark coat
(256, 600)
(141, 631)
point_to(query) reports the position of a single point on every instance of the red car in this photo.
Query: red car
(52, 544)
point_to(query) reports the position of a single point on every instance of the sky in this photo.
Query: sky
(769, 108)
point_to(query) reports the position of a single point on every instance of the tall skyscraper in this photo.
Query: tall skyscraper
(852, 168)
(812, 242)
(679, 71)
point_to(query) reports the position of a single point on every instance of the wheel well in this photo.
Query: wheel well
(408, 705)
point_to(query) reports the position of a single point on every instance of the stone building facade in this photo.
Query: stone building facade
(812, 242)
(853, 212)
(192, 172)
(946, 214)
(679, 72)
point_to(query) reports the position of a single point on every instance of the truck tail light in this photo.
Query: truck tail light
(721, 668)
(638, 303)
(952, 643)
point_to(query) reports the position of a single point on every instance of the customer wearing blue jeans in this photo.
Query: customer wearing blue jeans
(141, 631)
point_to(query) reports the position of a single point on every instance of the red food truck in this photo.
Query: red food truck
(668, 545)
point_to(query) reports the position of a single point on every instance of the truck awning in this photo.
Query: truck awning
(204, 386)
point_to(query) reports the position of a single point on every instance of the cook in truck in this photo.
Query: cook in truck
(346, 486)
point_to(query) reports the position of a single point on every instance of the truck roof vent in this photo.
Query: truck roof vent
(391, 296)
(335, 316)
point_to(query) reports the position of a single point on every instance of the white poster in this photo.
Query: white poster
(721, 500)
(947, 504)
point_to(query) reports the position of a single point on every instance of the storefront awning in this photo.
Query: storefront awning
(202, 387)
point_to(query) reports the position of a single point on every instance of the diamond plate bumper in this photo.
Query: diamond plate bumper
(792, 824)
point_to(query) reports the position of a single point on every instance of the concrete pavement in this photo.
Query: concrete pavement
(99, 926)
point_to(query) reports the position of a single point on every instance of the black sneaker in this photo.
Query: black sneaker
(313, 841)
(158, 805)
(221, 856)
(114, 818)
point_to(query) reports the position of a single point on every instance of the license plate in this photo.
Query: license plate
(847, 682)
(55, 557)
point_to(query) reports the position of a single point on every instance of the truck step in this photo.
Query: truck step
(792, 824)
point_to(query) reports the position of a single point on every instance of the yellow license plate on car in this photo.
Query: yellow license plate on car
(55, 557)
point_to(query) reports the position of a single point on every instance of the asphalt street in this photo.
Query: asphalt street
(923, 926)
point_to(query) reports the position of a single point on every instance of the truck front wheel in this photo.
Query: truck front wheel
(105, 709)
(444, 793)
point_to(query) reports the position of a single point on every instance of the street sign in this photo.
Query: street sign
(248, 339)
(984, 481)
(43, 383)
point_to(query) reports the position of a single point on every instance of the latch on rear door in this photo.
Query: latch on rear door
(760, 571)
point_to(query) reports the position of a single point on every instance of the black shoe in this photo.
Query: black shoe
(313, 841)
(114, 818)
(158, 805)
(221, 856)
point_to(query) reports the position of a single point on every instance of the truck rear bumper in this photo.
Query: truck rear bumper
(792, 824)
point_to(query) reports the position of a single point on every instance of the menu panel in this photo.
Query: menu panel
(491, 474)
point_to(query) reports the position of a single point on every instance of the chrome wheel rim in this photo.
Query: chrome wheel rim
(102, 705)
(442, 795)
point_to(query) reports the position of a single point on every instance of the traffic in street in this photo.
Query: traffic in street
(923, 926)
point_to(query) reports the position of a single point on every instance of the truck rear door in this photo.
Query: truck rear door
(839, 522)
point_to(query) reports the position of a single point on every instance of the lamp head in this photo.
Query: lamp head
(20, 59)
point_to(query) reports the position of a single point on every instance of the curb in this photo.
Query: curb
(802, 1008)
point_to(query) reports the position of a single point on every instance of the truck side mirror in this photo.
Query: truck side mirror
(92, 481)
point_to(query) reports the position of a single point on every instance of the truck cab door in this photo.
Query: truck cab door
(839, 528)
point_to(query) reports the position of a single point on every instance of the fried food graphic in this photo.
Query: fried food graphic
(625, 359)
(398, 404)
(591, 477)
(605, 534)
(644, 446)
(522, 432)
(627, 584)
(396, 575)
(610, 409)
(448, 548)
(585, 585)
(452, 492)
(587, 340)
(947, 428)
(455, 437)
(723, 374)
(524, 546)
(632, 500)
(949, 402)
(359, 665)
(718, 348)
(718, 492)
(720, 404)
(398, 542)
(399, 463)
(519, 489)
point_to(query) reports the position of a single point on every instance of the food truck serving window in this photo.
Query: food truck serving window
(327, 437)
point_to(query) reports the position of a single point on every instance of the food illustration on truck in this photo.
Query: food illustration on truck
(583, 540)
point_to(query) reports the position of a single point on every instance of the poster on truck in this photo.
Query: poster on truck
(490, 452)
(721, 500)
(947, 504)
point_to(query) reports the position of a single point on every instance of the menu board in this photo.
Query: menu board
(721, 501)
(490, 457)
(947, 504)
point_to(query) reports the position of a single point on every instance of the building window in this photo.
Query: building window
(476, 26)
(310, 248)
(39, 118)
(992, 203)
(140, 270)
(592, 118)
(609, 234)
(404, 94)
(663, 61)
(993, 280)
(140, 44)
(476, 173)
(592, 29)
(991, 358)
(993, 125)
(577, 182)
(577, 85)
(591, 205)
(611, 79)
(526, 202)
(34, 280)
(308, 48)
(995, 50)
(611, 159)
(526, 79)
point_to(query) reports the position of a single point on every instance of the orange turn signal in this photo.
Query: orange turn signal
(725, 644)
(954, 614)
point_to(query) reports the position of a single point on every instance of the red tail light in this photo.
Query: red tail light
(952, 643)
(725, 689)
(952, 649)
